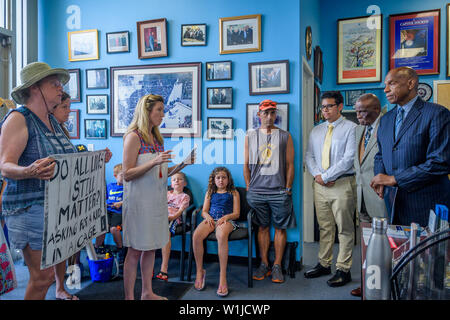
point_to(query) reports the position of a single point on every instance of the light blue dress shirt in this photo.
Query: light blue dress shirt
(342, 151)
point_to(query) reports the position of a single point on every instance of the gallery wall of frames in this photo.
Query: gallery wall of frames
(212, 62)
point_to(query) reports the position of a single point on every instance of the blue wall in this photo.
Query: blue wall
(280, 25)
(331, 11)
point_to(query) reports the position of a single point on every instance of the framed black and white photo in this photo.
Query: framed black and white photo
(118, 42)
(95, 128)
(83, 45)
(73, 124)
(281, 121)
(193, 35)
(72, 87)
(218, 70)
(220, 98)
(220, 128)
(351, 96)
(97, 78)
(178, 83)
(268, 77)
(97, 104)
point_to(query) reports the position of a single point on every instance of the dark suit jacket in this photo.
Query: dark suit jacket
(419, 160)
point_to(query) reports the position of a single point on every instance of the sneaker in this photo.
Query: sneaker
(262, 272)
(277, 274)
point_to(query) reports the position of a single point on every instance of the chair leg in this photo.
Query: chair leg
(183, 244)
(250, 266)
(190, 257)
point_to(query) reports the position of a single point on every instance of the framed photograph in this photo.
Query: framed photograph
(448, 40)
(240, 34)
(268, 77)
(220, 128)
(72, 87)
(73, 124)
(424, 91)
(359, 49)
(317, 105)
(318, 64)
(178, 83)
(282, 120)
(95, 128)
(218, 70)
(351, 96)
(220, 98)
(83, 45)
(441, 92)
(193, 35)
(152, 38)
(118, 42)
(97, 78)
(97, 104)
(414, 41)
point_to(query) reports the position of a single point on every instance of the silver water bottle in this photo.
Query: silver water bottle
(377, 283)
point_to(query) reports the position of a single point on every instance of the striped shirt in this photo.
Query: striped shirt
(42, 142)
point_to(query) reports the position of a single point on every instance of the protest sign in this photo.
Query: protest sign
(75, 205)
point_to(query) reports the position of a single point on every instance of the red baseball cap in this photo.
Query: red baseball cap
(267, 104)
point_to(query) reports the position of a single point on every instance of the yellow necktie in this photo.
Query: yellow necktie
(326, 148)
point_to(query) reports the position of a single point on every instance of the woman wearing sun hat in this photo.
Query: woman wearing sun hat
(29, 134)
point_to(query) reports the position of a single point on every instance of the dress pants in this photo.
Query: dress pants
(336, 206)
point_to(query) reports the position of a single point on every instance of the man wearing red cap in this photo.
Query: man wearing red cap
(268, 174)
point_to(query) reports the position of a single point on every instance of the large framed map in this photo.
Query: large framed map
(359, 49)
(178, 83)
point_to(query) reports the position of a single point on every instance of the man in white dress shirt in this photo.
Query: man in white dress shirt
(329, 158)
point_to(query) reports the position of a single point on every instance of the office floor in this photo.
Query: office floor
(298, 288)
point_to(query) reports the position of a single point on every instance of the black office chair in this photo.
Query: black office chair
(241, 233)
(184, 227)
(399, 287)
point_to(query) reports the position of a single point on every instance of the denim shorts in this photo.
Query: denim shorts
(275, 208)
(27, 227)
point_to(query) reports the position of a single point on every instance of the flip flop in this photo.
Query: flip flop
(69, 297)
(203, 282)
(222, 294)
(162, 276)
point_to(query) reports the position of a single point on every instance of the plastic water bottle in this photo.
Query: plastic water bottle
(377, 280)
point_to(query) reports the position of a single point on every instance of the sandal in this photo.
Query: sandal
(162, 276)
(223, 293)
(69, 297)
(202, 283)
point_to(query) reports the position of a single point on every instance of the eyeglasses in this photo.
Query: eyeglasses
(328, 106)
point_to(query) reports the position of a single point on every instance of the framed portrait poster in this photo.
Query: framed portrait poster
(73, 124)
(268, 77)
(95, 128)
(193, 35)
(178, 83)
(240, 34)
(220, 98)
(97, 78)
(152, 38)
(97, 104)
(83, 45)
(220, 128)
(218, 70)
(359, 49)
(281, 121)
(72, 87)
(118, 42)
(414, 41)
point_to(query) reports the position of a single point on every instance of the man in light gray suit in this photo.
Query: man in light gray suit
(369, 205)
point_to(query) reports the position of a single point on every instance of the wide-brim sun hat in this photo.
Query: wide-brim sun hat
(34, 72)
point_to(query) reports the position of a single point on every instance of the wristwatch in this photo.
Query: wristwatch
(288, 190)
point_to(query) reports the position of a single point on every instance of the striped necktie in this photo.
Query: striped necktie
(399, 120)
(367, 135)
(326, 148)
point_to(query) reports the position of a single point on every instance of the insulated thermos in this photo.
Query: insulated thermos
(377, 280)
